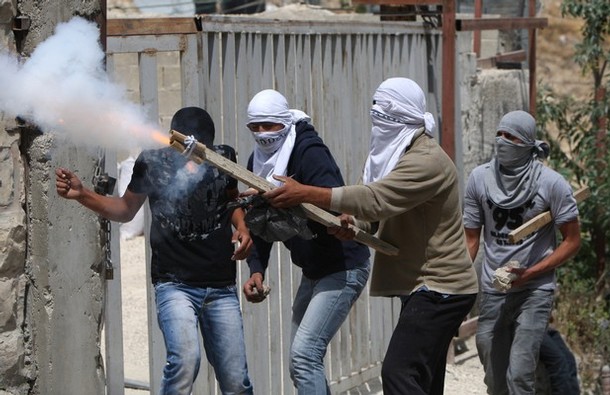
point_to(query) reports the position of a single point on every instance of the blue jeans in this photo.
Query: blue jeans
(509, 333)
(181, 309)
(319, 308)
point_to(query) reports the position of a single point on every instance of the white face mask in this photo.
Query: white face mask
(269, 142)
(511, 155)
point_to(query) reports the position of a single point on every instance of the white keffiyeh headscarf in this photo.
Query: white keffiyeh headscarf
(398, 112)
(272, 150)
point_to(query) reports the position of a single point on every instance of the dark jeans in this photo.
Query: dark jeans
(510, 329)
(560, 364)
(415, 361)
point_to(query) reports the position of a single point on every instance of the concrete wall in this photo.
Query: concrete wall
(491, 94)
(485, 95)
(51, 292)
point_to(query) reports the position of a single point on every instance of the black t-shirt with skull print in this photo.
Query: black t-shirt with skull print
(190, 233)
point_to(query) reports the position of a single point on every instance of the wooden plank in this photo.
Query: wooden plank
(148, 44)
(145, 26)
(162, 27)
(542, 219)
(514, 56)
(478, 13)
(448, 107)
(398, 2)
(468, 327)
(500, 24)
(531, 49)
(200, 153)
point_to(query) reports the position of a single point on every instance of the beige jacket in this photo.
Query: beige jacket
(418, 206)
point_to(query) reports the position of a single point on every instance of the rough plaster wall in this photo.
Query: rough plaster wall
(51, 293)
(14, 368)
(485, 95)
(492, 94)
(65, 294)
(7, 11)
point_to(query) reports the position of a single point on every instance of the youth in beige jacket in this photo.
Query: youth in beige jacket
(416, 206)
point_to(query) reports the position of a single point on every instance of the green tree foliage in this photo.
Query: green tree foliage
(577, 130)
(568, 125)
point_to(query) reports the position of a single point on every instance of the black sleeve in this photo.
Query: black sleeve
(228, 152)
(258, 260)
(316, 166)
(138, 183)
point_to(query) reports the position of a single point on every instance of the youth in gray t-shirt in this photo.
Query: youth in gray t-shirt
(553, 194)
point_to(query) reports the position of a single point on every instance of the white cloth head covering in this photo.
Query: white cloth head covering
(398, 112)
(272, 150)
(512, 177)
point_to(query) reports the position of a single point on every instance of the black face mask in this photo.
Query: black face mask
(194, 121)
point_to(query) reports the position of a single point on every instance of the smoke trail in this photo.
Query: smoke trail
(63, 88)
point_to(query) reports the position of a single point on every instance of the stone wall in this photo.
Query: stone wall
(492, 93)
(51, 292)
(14, 370)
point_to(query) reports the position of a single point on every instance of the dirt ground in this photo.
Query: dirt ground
(463, 378)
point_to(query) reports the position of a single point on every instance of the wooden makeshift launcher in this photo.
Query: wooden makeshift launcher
(542, 219)
(199, 153)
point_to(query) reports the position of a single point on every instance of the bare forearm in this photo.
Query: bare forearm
(318, 196)
(238, 219)
(472, 241)
(563, 253)
(122, 209)
(566, 250)
(109, 207)
(293, 193)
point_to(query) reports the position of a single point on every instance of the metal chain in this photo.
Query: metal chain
(108, 268)
(105, 224)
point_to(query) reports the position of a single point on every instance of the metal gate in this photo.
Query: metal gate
(327, 69)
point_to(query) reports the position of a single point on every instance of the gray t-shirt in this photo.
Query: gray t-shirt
(554, 195)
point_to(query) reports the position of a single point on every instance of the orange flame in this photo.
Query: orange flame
(160, 137)
(191, 167)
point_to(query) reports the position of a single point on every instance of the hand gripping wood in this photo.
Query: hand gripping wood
(199, 153)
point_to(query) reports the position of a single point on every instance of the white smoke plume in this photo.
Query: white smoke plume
(64, 89)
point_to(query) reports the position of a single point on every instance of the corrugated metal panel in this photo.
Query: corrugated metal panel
(330, 71)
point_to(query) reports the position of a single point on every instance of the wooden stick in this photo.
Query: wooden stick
(542, 219)
(200, 153)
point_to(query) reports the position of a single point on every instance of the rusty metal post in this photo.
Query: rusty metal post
(448, 84)
(478, 12)
(102, 23)
(531, 58)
